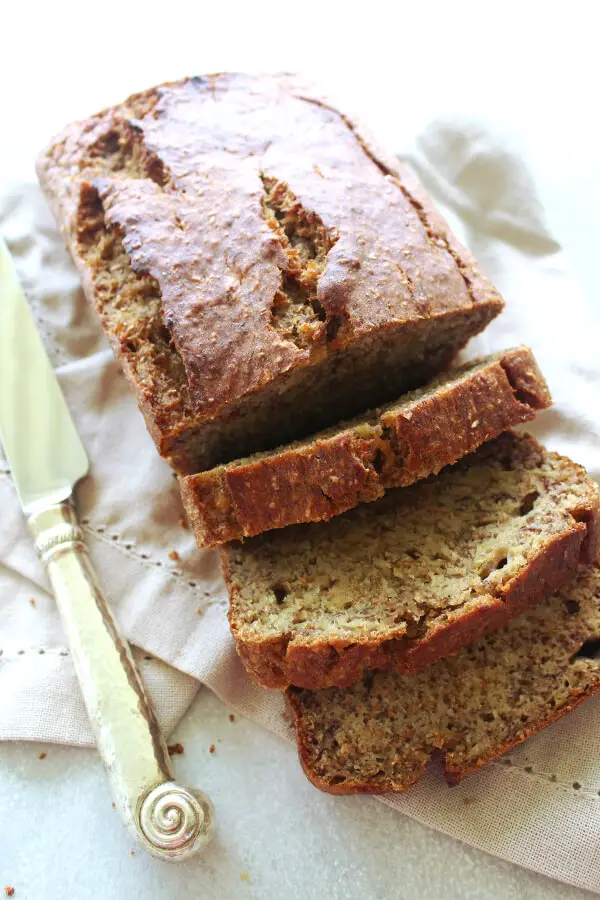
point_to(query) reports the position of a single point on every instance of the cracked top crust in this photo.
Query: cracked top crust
(273, 230)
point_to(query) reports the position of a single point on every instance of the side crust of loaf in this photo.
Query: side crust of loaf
(554, 617)
(392, 447)
(281, 660)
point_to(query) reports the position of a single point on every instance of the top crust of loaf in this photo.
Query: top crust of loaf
(357, 461)
(272, 231)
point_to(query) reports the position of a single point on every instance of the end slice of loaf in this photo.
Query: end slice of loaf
(415, 576)
(357, 461)
(380, 734)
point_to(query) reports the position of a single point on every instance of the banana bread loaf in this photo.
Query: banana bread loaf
(358, 461)
(414, 576)
(261, 269)
(380, 734)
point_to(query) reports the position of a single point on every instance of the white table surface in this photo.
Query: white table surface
(60, 838)
(531, 72)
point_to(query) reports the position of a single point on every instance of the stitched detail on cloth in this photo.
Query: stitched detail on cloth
(46, 651)
(509, 766)
(145, 559)
(56, 354)
(42, 651)
(126, 548)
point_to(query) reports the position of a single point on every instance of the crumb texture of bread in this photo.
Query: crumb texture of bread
(358, 461)
(259, 266)
(414, 576)
(380, 733)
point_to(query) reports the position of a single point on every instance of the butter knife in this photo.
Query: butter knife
(47, 459)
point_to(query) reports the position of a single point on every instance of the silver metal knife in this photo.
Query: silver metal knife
(47, 459)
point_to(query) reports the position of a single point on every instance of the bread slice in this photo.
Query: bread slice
(415, 576)
(335, 470)
(260, 267)
(380, 733)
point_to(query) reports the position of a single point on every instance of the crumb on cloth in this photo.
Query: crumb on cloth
(211, 749)
(175, 748)
(174, 555)
(43, 755)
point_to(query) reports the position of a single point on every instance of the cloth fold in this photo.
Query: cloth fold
(538, 806)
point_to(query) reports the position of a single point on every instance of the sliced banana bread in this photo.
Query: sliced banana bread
(415, 576)
(380, 733)
(357, 461)
(261, 268)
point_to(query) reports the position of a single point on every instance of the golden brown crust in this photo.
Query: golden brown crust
(321, 479)
(183, 173)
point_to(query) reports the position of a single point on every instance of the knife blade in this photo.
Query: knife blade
(44, 451)
(47, 459)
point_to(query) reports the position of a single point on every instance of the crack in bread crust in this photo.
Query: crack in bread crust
(296, 312)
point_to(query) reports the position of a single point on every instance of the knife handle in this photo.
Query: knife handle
(171, 822)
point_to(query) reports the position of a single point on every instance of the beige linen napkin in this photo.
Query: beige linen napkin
(538, 806)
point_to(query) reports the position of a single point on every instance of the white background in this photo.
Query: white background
(530, 70)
